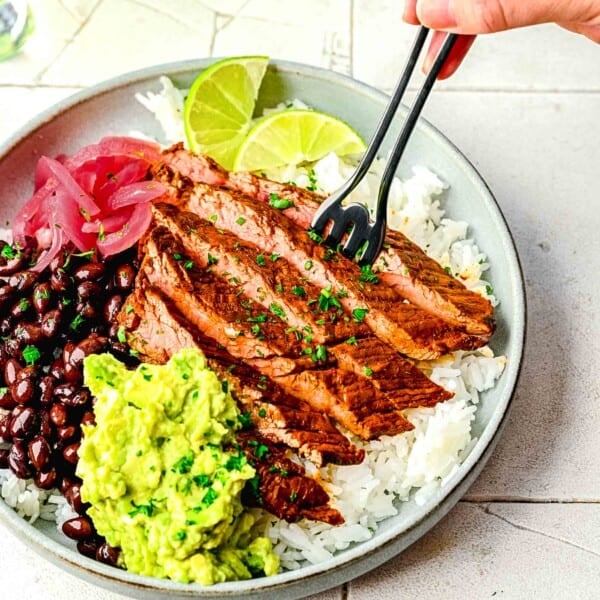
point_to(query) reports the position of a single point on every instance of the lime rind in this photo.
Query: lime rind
(218, 109)
(295, 136)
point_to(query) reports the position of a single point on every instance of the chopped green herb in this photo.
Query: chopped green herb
(262, 318)
(76, 322)
(261, 451)
(314, 236)
(129, 309)
(225, 386)
(275, 256)
(279, 288)
(9, 252)
(359, 314)
(299, 291)
(448, 270)
(368, 371)
(489, 290)
(24, 304)
(245, 420)
(212, 260)
(327, 300)
(260, 260)
(121, 335)
(240, 220)
(293, 496)
(177, 256)
(213, 218)
(188, 264)
(368, 275)
(209, 497)
(320, 354)
(279, 203)
(201, 480)
(142, 509)
(312, 178)
(352, 341)
(278, 311)
(31, 355)
(262, 413)
(184, 464)
(180, 536)
(308, 265)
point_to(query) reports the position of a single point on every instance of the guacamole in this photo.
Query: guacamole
(164, 475)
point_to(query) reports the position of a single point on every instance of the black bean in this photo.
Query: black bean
(91, 271)
(124, 278)
(17, 460)
(65, 390)
(21, 309)
(5, 427)
(3, 458)
(23, 281)
(93, 344)
(23, 422)
(87, 311)
(6, 294)
(11, 369)
(42, 297)
(59, 414)
(51, 323)
(88, 418)
(46, 479)
(23, 391)
(60, 281)
(39, 452)
(88, 547)
(70, 453)
(67, 432)
(6, 326)
(58, 262)
(45, 424)
(46, 387)
(78, 399)
(78, 528)
(57, 370)
(66, 482)
(13, 346)
(89, 289)
(73, 374)
(8, 266)
(108, 555)
(73, 497)
(29, 334)
(7, 402)
(112, 307)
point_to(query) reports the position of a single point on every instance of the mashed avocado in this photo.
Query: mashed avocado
(163, 473)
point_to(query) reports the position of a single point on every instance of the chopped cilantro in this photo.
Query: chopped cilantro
(299, 291)
(180, 536)
(209, 497)
(121, 336)
(31, 355)
(368, 275)
(308, 265)
(184, 464)
(188, 264)
(352, 341)
(359, 314)
(279, 203)
(201, 480)
(278, 311)
(240, 220)
(212, 260)
(368, 371)
(260, 260)
(314, 236)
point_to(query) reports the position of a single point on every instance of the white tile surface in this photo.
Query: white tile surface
(525, 108)
(513, 552)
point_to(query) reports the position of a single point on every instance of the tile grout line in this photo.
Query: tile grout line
(85, 21)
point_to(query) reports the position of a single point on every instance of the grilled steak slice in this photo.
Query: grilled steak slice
(403, 265)
(217, 312)
(282, 487)
(269, 280)
(411, 330)
(157, 331)
(275, 283)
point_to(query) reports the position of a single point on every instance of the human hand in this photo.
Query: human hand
(473, 17)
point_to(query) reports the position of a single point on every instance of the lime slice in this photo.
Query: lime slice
(218, 110)
(294, 136)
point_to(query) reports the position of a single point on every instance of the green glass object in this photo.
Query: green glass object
(16, 25)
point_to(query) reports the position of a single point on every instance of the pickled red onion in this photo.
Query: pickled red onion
(97, 198)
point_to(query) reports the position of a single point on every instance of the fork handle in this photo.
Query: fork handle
(386, 119)
(409, 124)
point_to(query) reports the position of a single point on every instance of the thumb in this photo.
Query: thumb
(486, 16)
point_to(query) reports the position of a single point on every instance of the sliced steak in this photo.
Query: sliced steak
(316, 314)
(403, 264)
(282, 487)
(269, 280)
(409, 329)
(157, 331)
(220, 314)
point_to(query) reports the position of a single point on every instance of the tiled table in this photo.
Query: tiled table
(525, 108)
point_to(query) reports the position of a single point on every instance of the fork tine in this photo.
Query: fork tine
(355, 240)
(335, 234)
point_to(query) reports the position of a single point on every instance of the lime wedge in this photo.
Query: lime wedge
(218, 110)
(294, 136)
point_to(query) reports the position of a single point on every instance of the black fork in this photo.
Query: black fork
(365, 237)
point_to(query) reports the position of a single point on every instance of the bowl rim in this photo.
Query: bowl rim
(379, 548)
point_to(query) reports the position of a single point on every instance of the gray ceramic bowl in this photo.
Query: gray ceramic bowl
(110, 108)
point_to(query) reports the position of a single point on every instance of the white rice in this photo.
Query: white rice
(407, 467)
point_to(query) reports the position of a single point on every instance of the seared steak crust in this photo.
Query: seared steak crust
(403, 265)
(211, 307)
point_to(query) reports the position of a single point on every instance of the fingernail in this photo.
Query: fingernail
(437, 14)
